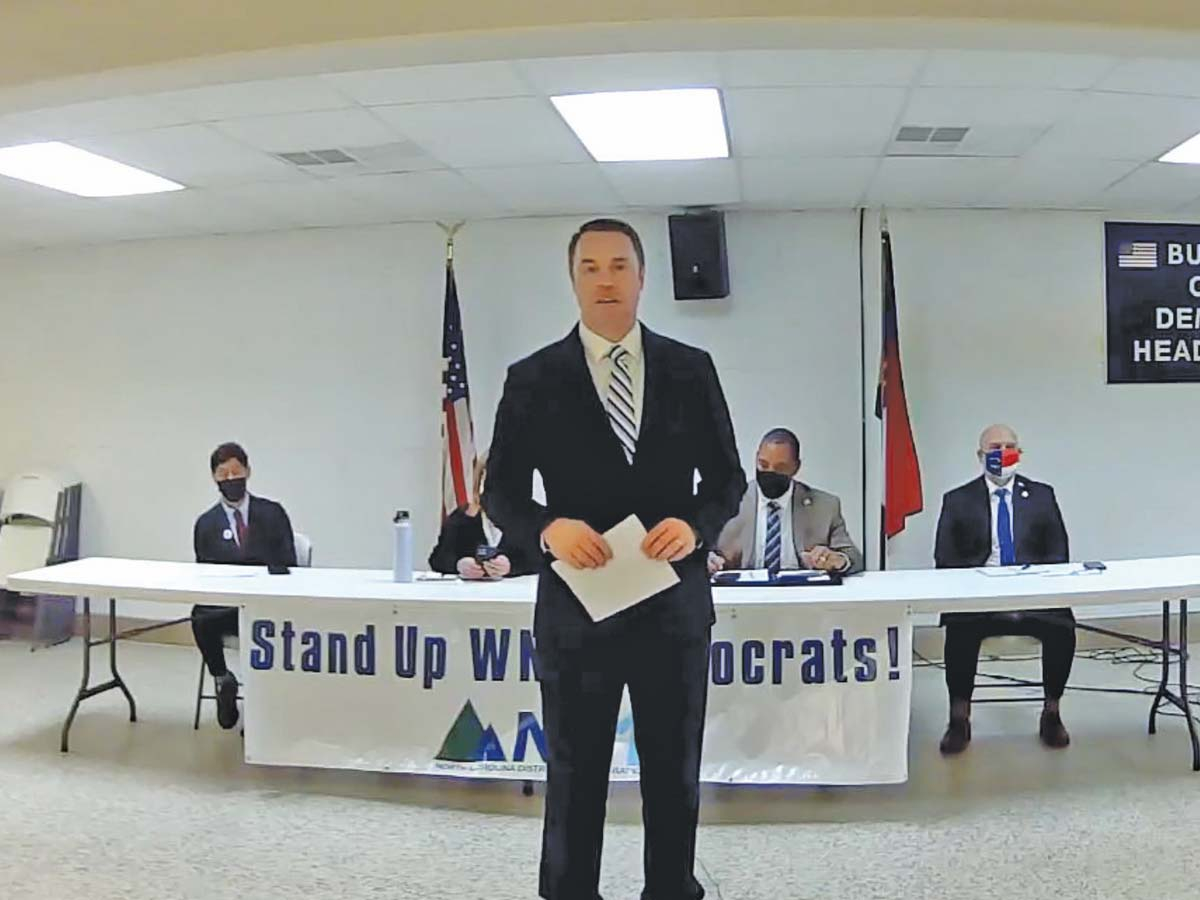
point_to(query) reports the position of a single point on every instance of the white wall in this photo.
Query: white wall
(1002, 318)
(320, 351)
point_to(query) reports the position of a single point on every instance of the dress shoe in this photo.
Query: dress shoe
(956, 738)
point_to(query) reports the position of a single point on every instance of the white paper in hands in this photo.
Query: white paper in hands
(625, 580)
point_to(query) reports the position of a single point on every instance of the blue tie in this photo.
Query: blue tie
(772, 549)
(1008, 555)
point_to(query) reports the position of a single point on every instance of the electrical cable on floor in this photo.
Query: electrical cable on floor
(716, 885)
(1122, 656)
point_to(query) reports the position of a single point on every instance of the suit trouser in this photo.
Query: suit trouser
(1055, 628)
(210, 626)
(581, 699)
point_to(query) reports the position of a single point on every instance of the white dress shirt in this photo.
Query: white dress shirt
(244, 508)
(787, 546)
(993, 488)
(597, 348)
(491, 533)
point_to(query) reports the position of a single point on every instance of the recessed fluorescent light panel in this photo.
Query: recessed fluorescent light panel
(1187, 152)
(623, 126)
(65, 168)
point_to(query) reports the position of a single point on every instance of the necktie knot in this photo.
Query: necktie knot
(1002, 493)
(773, 506)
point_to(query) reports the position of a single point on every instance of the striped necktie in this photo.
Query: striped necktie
(620, 404)
(772, 548)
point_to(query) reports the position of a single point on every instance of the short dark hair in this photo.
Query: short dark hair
(614, 225)
(783, 436)
(227, 451)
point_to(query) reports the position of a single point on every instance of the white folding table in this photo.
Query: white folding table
(1167, 580)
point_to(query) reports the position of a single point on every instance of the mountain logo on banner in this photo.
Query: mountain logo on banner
(468, 741)
(1137, 255)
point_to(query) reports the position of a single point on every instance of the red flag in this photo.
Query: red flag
(901, 471)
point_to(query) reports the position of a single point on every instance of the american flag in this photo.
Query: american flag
(1137, 255)
(458, 434)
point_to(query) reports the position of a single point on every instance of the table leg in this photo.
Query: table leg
(112, 659)
(1166, 666)
(87, 672)
(1185, 703)
(115, 683)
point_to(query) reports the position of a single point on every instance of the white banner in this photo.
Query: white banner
(796, 695)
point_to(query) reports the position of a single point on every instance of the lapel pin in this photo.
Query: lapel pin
(1025, 493)
(228, 535)
(808, 501)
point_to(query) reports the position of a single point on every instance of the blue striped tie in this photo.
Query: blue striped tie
(620, 404)
(772, 548)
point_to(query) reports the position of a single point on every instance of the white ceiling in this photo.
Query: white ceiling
(808, 129)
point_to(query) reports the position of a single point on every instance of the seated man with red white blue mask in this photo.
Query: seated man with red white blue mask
(1003, 519)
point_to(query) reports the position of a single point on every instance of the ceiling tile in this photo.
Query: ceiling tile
(254, 98)
(936, 181)
(481, 133)
(805, 183)
(78, 220)
(707, 182)
(1177, 78)
(1156, 186)
(208, 211)
(308, 131)
(193, 155)
(573, 188)
(422, 196)
(1122, 126)
(621, 72)
(933, 106)
(310, 204)
(1058, 183)
(777, 68)
(991, 68)
(819, 122)
(428, 84)
(99, 117)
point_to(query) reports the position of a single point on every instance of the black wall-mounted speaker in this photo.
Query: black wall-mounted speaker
(699, 266)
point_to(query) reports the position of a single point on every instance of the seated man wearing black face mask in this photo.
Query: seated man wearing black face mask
(239, 530)
(784, 523)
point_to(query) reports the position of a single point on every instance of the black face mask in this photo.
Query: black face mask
(232, 489)
(773, 484)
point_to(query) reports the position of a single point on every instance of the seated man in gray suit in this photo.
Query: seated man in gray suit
(784, 523)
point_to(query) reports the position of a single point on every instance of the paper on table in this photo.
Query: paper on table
(1009, 571)
(625, 580)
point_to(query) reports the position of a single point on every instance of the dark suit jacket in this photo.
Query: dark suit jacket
(462, 533)
(550, 418)
(964, 532)
(269, 537)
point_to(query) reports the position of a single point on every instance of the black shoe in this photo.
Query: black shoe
(956, 738)
(227, 709)
(1052, 731)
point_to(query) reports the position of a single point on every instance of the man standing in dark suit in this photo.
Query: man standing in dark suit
(239, 530)
(618, 420)
(1003, 519)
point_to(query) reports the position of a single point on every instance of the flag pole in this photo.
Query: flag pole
(450, 229)
(862, 359)
(884, 234)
